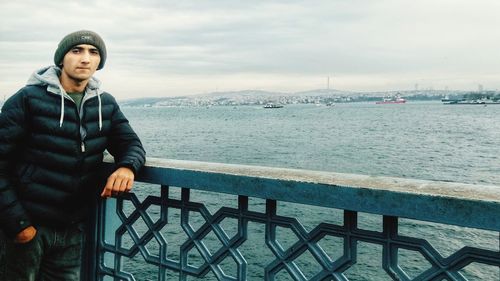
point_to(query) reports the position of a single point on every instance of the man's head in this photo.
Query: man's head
(79, 38)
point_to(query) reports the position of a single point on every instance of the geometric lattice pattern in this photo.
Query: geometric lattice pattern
(226, 261)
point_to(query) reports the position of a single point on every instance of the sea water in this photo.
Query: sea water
(420, 140)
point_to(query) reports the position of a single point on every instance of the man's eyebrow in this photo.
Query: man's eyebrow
(82, 48)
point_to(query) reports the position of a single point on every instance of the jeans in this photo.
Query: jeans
(53, 254)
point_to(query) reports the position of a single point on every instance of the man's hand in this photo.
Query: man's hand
(118, 182)
(26, 235)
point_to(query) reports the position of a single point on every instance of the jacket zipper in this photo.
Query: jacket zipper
(78, 111)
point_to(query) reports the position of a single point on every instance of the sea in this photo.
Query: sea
(417, 140)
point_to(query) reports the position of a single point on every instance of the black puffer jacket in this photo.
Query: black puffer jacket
(50, 152)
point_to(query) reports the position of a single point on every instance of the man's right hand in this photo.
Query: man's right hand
(26, 235)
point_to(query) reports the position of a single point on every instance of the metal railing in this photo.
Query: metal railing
(233, 229)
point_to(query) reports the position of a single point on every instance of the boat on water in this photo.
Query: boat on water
(272, 105)
(397, 99)
(448, 100)
(474, 98)
(472, 102)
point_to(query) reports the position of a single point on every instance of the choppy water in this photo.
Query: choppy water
(415, 140)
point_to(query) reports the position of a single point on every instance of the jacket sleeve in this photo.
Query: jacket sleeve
(124, 143)
(13, 217)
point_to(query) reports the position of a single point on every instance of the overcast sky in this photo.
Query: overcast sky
(170, 48)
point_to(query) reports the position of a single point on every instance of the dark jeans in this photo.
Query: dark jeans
(53, 254)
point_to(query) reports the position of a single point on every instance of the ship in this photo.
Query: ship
(473, 102)
(481, 101)
(392, 100)
(272, 105)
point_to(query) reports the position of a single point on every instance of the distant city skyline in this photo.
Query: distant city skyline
(173, 48)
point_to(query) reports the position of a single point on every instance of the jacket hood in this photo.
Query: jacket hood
(49, 76)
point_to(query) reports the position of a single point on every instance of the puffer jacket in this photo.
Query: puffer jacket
(50, 151)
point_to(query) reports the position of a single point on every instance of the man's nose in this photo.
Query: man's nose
(85, 57)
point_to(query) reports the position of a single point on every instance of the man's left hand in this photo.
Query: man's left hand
(118, 182)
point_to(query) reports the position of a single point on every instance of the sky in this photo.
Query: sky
(174, 48)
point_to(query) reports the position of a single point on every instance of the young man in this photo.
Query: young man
(53, 133)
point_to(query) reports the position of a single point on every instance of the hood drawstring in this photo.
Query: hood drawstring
(100, 111)
(61, 119)
(62, 106)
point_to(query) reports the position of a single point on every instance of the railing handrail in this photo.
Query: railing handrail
(468, 205)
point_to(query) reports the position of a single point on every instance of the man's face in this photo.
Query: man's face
(81, 62)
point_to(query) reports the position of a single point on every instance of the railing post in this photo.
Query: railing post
(90, 252)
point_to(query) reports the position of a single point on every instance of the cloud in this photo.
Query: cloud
(369, 44)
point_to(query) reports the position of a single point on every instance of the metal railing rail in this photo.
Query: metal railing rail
(465, 205)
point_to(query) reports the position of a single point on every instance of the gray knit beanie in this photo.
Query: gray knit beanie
(77, 38)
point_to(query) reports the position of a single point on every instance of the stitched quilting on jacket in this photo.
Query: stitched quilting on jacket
(51, 151)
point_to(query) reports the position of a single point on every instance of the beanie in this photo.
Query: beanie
(77, 38)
